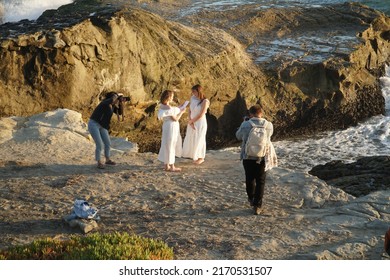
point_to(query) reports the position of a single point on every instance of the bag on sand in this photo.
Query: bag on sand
(257, 144)
(387, 241)
(82, 209)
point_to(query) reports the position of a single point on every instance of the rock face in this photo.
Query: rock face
(325, 61)
(68, 57)
(359, 178)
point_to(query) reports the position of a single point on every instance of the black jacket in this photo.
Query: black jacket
(103, 113)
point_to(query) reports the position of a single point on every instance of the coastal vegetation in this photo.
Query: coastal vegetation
(96, 246)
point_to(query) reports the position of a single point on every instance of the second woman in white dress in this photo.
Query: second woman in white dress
(194, 145)
(171, 141)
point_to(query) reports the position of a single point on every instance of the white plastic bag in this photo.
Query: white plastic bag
(82, 209)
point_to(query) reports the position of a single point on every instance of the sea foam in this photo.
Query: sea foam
(15, 10)
(368, 138)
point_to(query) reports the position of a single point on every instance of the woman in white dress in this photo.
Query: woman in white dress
(194, 146)
(171, 142)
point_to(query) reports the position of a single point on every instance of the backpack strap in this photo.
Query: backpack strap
(264, 125)
(255, 125)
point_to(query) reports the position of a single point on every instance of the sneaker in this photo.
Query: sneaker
(257, 210)
(110, 162)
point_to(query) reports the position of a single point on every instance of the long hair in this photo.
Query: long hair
(198, 88)
(165, 96)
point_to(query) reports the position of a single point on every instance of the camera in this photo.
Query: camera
(124, 98)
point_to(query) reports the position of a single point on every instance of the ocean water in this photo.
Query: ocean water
(15, 10)
(368, 138)
(381, 5)
(317, 49)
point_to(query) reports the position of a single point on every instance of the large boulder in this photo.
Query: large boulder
(52, 137)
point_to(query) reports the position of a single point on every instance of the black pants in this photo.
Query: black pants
(254, 180)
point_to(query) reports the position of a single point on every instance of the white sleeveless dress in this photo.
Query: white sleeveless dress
(171, 141)
(194, 145)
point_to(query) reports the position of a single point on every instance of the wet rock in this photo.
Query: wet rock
(55, 41)
(366, 175)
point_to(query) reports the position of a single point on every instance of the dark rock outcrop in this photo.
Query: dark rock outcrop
(69, 56)
(359, 178)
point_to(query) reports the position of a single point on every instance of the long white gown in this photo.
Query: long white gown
(171, 141)
(194, 145)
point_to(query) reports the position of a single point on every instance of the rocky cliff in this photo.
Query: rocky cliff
(68, 57)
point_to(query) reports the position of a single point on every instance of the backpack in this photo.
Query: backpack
(257, 143)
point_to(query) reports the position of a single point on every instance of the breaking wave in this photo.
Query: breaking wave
(16, 10)
(368, 138)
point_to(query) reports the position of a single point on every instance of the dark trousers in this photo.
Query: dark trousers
(254, 180)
